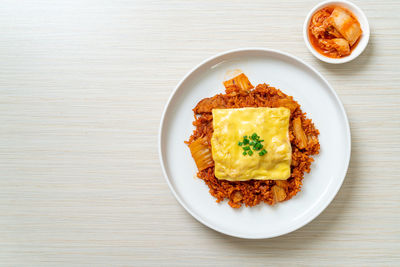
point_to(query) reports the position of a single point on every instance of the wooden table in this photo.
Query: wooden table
(82, 87)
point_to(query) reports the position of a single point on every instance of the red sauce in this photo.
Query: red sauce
(323, 14)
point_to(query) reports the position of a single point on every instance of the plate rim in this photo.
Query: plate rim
(321, 207)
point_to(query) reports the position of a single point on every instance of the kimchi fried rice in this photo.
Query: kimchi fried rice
(302, 134)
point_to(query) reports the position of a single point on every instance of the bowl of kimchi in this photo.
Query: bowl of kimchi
(336, 31)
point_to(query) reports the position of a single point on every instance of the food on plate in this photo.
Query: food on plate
(240, 81)
(252, 145)
(237, 160)
(201, 153)
(334, 31)
(299, 134)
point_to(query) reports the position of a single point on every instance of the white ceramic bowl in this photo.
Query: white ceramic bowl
(363, 23)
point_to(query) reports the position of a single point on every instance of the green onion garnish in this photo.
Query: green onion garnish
(252, 144)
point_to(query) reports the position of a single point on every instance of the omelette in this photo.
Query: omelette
(271, 124)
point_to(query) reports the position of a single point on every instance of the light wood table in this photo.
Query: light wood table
(82, 87)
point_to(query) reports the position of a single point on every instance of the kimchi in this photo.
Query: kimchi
(334, 31)
(201, 154)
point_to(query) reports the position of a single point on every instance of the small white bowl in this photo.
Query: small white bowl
(362, 19)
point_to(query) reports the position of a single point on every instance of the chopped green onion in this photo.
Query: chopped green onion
(263, 152)
(251, 144)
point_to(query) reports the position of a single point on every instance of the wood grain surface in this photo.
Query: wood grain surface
(82, 87)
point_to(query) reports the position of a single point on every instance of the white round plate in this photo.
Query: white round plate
(316, 97)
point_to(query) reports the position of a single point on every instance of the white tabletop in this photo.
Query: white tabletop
(82, 87)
